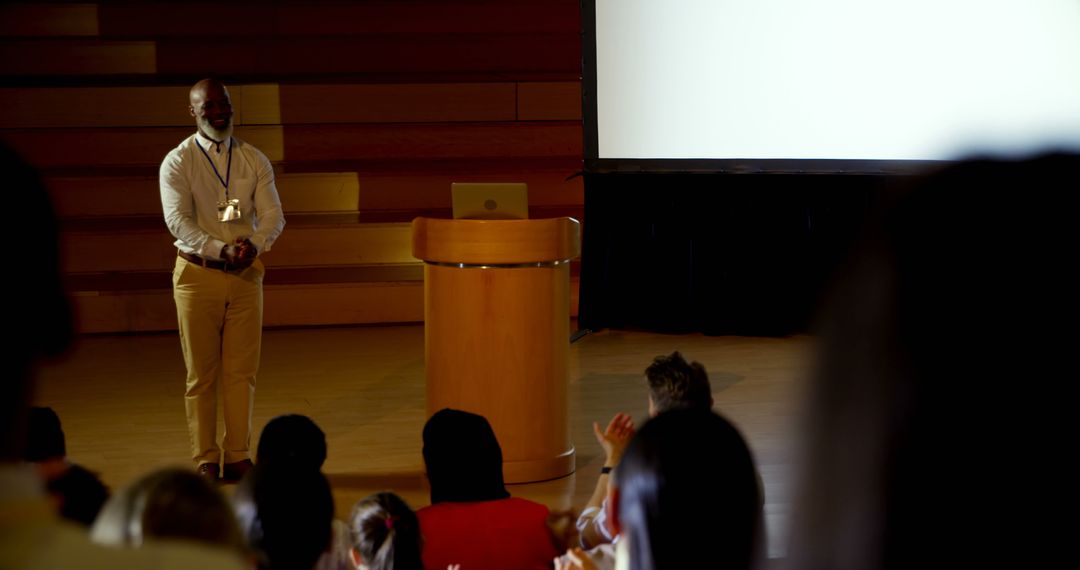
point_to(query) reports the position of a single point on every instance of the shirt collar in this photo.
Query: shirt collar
(211, 145)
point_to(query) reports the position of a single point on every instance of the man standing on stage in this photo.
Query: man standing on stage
(221, 204)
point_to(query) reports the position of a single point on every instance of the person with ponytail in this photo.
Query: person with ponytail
(385, 534)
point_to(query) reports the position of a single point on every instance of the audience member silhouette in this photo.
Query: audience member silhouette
(286, 514)
(45, 441)
(685, 495)
(939, 408)
(673, 383)
(77, 493)
(472, 520)
(385, 534)
(292, 439)
(170, 503)
(295, 441)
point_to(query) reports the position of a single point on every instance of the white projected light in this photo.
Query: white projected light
(835, 79)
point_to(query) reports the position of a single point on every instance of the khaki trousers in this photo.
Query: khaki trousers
(220, 317)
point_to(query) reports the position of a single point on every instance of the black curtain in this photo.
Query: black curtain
(739, 254)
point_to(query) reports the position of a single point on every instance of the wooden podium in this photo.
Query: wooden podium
(497, 332)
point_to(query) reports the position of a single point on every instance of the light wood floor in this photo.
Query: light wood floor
(120, 399)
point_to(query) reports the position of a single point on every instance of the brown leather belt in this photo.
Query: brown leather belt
(208, 263)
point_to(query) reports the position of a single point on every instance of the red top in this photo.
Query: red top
(506, 534)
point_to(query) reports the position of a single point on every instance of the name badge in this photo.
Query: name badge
(229, 210)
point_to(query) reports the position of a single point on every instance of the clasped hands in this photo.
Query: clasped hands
(239, 255)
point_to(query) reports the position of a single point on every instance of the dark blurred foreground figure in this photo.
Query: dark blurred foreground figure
(939, 417)
(169, 504)
(286, 514)
(76, 492)
(295, 441)
(686, 495)
(472, 520)
(292, 440)
(31, 535)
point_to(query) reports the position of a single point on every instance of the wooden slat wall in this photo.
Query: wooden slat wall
(48, 20)
(368, 110)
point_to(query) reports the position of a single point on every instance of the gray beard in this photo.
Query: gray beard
(219, 135)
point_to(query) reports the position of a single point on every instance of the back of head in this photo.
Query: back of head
(292, 439)
(937, 391)
(675, 383)
(386, 533)
(688, 492)
(463, 458)
(286, 514)
(80, 493)
(44, 436)
(170, 503)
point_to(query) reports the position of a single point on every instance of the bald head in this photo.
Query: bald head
(212, 109)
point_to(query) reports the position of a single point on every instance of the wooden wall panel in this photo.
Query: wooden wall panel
(99, 147)
(270, 104)
(53, 107)
(423, 190)
(316, 56)
(434, 17)
(549, 101)
(185, 19)
(140, 196)
(151, 249)
(105, 196)
(355, 244)
(285, 305)
(93, 147)
(427, 141)
(77, 57)
(137, 311)
(342, 18)
(25, 19)
(397, 103)
(313, 192)
(337, 304)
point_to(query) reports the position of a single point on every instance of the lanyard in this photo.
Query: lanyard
(228, 167)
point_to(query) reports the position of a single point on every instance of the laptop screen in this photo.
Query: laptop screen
(490, 200)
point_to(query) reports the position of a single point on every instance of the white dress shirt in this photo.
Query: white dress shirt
(193, 180)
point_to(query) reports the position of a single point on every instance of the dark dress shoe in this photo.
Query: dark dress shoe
(208, 470)
(235, 471)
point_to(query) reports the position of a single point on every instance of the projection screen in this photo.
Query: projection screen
(826, 85)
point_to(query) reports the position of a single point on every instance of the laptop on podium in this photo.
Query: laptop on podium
(490, 200)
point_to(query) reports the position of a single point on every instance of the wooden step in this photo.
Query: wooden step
(505, 54)
(298, 304)
(144, 244)
(100, 245)
(293, 104)
(284, 305)
(309, 18)
(48, 20)
(49, 149)
(138, 195)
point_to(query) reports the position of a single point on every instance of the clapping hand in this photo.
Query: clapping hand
(616, 437)
(575, 559)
